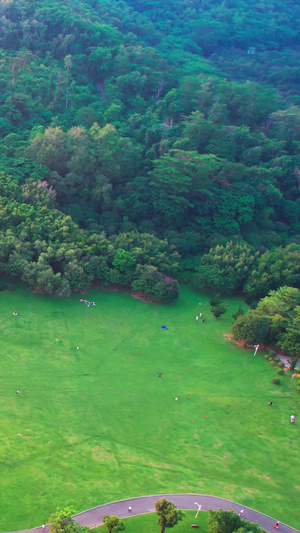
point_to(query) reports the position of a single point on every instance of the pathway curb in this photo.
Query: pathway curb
(146, 504)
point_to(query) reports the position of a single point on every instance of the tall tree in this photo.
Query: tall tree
(62, 522)
(168, 514)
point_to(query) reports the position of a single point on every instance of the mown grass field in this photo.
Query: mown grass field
(97, 424)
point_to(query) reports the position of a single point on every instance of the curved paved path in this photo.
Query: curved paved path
(145, 504)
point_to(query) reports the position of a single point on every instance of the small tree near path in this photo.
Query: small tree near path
(62, 522)
(223, 521)
(168, 514)
(113, 524)
(229, 522)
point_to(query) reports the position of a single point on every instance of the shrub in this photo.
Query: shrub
(272, 353)
(280, 365)
(150, 281)
(273, 363)
(280, 371)
(217, 310)
(266, 357)
(276, 381)
(5, 284)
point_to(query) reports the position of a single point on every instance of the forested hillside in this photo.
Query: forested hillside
(247, 40)
(129, 126)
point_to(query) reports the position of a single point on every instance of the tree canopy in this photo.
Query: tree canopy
(149, 118)
(229, 522)
(168, 514)
(275, 321)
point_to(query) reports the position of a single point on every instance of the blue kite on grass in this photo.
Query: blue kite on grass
(164, 327)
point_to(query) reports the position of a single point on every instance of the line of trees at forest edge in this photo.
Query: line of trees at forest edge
(273, 277)
(236, 266)
(44, 248)
(275, 321)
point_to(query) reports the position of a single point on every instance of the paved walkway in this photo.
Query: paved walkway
(145, 504)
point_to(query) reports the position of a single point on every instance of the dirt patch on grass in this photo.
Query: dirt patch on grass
(143, 297)
(36, 290)
(266, 478)
(217, 444)
(229, 337)
(279, 352)
(113, 287)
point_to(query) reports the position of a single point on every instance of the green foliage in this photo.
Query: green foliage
(216, 306)
(276, 381)
(113, 524)
(46, 250)
(218, 310)
(275, 268)
(168, 514)
(226, 268)
(223, 522)
(106, 120)
(215, 299)
(62, 522)
(275, 320)
(240, 312)
(123, 260)
(150, 281)
(228, 522)
(250, 328)
(272, 353)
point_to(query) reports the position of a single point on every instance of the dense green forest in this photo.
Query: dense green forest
(145, 140)
(274, 322)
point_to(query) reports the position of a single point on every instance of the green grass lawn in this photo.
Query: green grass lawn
(96, 424)
(148, 524)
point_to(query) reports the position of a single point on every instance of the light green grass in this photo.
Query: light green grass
(148, 524)
(83, 440)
